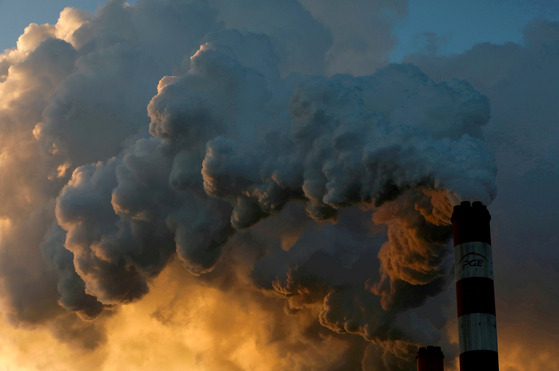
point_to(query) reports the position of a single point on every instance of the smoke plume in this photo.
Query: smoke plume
(322, 199)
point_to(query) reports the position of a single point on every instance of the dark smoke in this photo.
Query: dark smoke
(358, 173)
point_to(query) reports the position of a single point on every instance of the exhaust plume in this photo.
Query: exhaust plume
(333, 193)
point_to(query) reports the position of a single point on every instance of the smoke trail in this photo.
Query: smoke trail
(345, 168)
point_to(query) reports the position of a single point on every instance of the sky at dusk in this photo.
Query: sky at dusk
(265, 185)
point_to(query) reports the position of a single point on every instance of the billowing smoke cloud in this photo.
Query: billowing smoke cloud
(361, 33)
(253, 169)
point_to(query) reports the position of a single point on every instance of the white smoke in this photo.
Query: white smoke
(347, 181)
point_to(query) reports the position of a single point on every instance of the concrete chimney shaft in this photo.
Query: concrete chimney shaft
(475, 294)
(430, 359)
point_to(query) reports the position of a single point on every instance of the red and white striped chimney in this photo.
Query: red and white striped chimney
(477, 326)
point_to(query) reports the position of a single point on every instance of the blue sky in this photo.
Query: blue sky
(457, 25)
(16, 15)
(449, 27)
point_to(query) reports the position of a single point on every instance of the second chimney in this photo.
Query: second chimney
(430, 359)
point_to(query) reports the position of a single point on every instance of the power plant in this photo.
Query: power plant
(475, 293)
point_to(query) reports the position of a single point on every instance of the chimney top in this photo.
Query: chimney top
(429, 351)
(430, 358)
(470, 222)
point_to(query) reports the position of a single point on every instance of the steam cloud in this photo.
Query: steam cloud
(339, 187)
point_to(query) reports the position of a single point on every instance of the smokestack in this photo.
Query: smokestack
(430, 359)
(475, 294)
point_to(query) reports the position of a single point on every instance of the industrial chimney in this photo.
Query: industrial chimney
(430, 359)
(477, 329)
